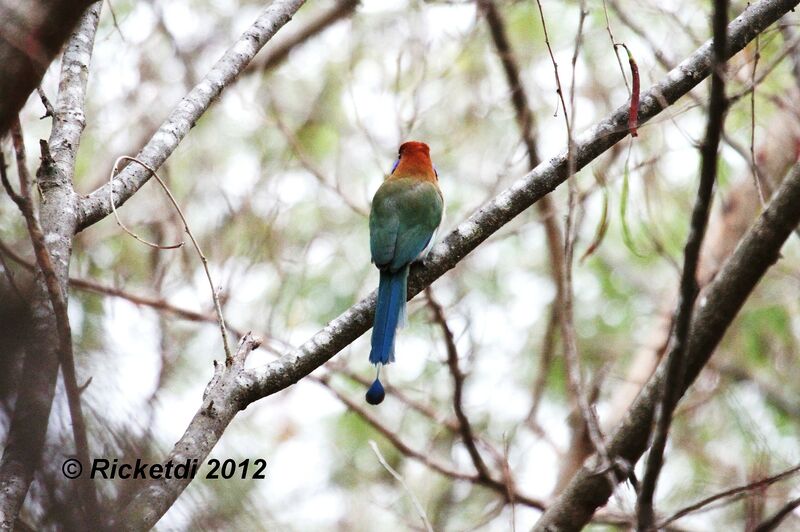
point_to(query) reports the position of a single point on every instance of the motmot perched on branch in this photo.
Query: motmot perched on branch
(406, 212)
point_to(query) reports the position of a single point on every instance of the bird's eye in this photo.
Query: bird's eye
(394, 167)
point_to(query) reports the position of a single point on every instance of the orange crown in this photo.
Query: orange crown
(415, 161)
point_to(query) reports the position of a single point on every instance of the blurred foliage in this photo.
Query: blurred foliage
(276, 179)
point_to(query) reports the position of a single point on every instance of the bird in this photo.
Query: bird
(406, 213)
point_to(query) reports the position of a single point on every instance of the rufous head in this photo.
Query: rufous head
(414, 160)
(413, 146)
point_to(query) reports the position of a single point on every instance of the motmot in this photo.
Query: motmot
(406, 212)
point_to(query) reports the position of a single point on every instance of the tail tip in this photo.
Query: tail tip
(376, 393)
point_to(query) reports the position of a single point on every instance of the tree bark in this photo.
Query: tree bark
(32, 34)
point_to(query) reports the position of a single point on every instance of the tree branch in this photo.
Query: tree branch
(31, 34)
(51, 343)
(464, 426)
(424, 458)
(725, 295)
(738, 490)
(773, 522)
(96, 205)
(689, 288)
(276, 54)
(252, 384)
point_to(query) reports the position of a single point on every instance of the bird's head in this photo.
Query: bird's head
(414, 160)
(414, 147)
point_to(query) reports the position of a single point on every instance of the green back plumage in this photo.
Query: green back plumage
(405, 214)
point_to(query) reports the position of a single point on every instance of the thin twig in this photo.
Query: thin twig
(773, 522)
(308, 163)
(555, 66)
(753, 163)
(322, 20)
(48, 107)
(759, 484)
(217, 307)
(465, 427)
(58, 301)
(417, 506)
(547, 210)
(423, 457)
(614, 46)
(569, 337)
(676, 361)
(405, 449)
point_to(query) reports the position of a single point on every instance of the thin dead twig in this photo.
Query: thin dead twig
(773, 522)
(422, 457)
(738, 490)
(203, 259)
(614, 45)
(417, 506)
(670, 391)
(547, 210)
(58, 301)
(465, 427)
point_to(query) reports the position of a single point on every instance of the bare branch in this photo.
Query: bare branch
(502, 488)
(214, 296)
(725, 295)
(465, 427)
(738, 490)
(274, 55)
(252, 384)
(676, 360)
(95, 206)
(51, 344)
(417, 506)
(58, 301)
(31, 34)
(773, 522)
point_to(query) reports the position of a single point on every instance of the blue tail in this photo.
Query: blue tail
(389, 311)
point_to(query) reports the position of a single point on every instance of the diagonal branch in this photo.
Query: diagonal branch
(51, 345)
(425, 458)
(245, 386)
(464, 426)
(721, 301)
(689, 288)
(775, 520)
(275, 55)
(95, 206)
(351, 324)
(58, 301)
(31, 34)
(738, 490)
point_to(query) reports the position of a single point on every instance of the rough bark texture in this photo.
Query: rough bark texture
(503, 208)
(96, 205)
(61, 214)
(58, 218)
(716, 309)
(243, 387)
(32, 34)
